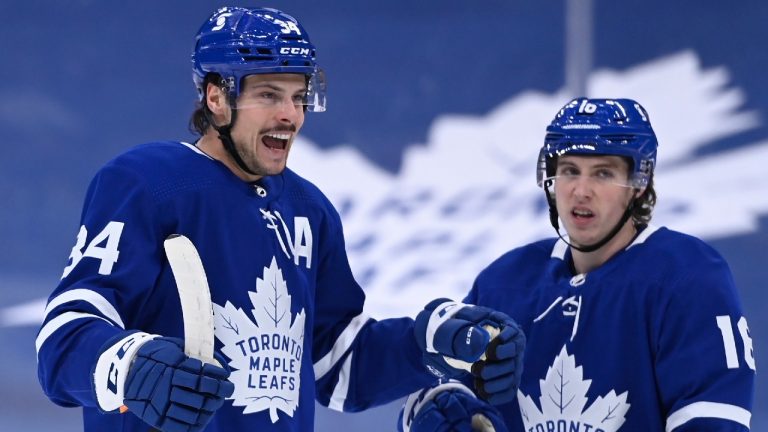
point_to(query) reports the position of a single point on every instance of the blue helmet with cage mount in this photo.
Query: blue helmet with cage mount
(618, 127)
(236, 42)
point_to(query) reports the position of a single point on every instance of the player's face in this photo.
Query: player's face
(592, 194)
(269, 116)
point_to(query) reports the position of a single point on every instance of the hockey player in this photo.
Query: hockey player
(289, 322)
(630, 327)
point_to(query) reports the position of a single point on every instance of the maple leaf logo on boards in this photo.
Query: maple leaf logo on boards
(564, 399)
(265, 354)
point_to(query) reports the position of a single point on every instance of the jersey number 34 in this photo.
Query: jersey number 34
(107, 253)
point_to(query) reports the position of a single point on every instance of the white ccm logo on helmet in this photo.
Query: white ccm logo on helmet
(294, 50)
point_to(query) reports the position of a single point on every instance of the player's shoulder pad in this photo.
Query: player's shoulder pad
(666, 248)
(298, 188)
(523, 264)
(155, 157)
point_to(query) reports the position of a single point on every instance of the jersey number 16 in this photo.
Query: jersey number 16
(729, 342)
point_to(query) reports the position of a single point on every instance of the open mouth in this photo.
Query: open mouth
(582, 214)
(276, 141)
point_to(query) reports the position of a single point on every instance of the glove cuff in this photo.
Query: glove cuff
(416, 400)
(111, 368)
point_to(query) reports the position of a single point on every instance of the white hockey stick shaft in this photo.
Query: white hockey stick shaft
(195, 297)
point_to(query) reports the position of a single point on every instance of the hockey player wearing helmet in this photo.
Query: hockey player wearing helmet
(288, 314)
(630, 326)
(601, 200)
(256, 75)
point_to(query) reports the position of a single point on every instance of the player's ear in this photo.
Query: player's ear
(216, 99)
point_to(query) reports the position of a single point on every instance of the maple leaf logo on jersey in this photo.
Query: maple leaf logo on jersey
(564, 398)
(266, 354)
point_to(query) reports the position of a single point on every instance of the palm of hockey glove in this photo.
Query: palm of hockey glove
(458, 331)
(449, 407)
(171, 391)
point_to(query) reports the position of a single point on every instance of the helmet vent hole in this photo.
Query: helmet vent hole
(257, 54)
(619, 139)
(260, 51)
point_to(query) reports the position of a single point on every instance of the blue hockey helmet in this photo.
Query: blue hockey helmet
(618, 127)
(235, 42)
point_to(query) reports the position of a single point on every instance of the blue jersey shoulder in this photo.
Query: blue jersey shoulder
(169, 167)
(674, 248)
(517, 271)
(300, 189)
(679, 261)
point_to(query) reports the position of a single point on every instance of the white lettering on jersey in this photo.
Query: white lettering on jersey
(265, 354)
(729, 342)
(294, 246)
(303, 240)
(107, 254)
(564, 401)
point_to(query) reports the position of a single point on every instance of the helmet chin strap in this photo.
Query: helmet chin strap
(226, 137)
(595, 246)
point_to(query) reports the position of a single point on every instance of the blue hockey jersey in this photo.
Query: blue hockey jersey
(652, 340)
(288, 313)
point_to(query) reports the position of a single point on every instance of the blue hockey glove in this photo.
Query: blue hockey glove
(448, 331)
(173, 392)
(448, 407)
(497, 377)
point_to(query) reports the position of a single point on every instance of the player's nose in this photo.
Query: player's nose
(289, 112)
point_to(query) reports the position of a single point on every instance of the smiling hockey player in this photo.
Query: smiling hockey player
(289, 322)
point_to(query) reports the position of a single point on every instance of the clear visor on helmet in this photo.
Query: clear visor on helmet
(548, 174)
(266, 96)
(596, 179)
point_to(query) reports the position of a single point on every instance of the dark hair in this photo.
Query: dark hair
(199, 121)
(643, 208)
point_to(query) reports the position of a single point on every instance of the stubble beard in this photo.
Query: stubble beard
(250, 156)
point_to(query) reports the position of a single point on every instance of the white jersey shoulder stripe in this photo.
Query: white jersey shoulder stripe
(81, 294)
(196, 150)
(708, 410)
(558, 251)
(341, 389)
(343, 342)
(51, 326)
(647, 232)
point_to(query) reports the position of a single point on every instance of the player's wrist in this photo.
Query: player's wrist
(112, 366)
(448, 405)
